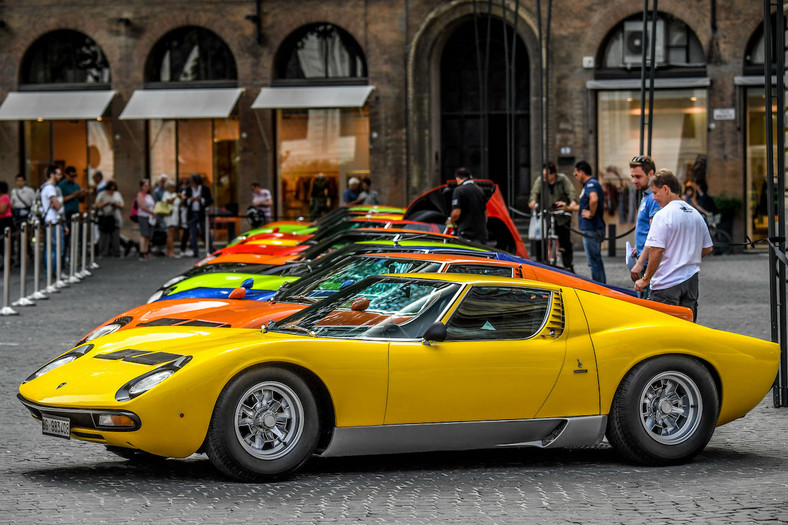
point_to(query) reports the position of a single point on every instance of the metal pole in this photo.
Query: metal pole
(652, 70)
(51, 288)
(23, 300)
(783, 308)
(37, 294)
(93, 264)
(207, 235)
(7, 310)
(643, 76)
(59, 282)
(86, 224)
(72, 249)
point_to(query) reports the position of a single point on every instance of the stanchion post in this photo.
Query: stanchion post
(86, 225)
(59, 282)
(207, 231)
(7, 310)
(23, 299)
(37, 294)
(73, 249)
(611, 240)
(93, 264)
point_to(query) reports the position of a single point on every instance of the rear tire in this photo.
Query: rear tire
(664, 412)
(265, 425)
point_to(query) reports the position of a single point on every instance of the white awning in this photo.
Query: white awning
(659, 83)
(55, 105)
(312, 97)
(754, 80)
(181, 103)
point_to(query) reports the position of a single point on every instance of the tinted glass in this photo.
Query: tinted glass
(321, 51)
(480, 269)
(495, 312)
(65, 57)
(190, 54)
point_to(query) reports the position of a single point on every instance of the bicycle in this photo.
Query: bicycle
(721, 239)
(553, 242)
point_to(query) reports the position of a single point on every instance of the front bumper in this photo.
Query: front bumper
(84, 422)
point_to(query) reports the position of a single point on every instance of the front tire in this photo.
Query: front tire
(664, 412)
(265, 425)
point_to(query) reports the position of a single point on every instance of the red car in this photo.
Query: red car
(435, 205)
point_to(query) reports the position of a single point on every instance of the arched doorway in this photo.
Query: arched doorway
(479, 129)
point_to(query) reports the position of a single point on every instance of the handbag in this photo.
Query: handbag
(106, 223)
(134, 210)
(535, 227)
(162, 208)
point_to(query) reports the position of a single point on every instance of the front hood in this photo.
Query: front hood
(231, 280)
(93, 379)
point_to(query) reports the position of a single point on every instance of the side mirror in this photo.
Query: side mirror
(247, 283)
(237, 293)
(347, 283)
(435, 332)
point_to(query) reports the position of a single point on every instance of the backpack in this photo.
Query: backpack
(134, 211)
(37, 208)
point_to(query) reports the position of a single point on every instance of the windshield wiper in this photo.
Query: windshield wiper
(301, 329)
(303, 299)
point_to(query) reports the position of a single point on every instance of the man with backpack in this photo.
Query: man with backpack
(50, 209)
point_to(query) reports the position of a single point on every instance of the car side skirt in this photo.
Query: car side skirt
(428, 437)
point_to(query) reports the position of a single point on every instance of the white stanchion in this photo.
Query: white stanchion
(51, 288)
(23, 299)
(93, 264)
(73, 249)
(207, 231)
(85, 225)
(7, 310)
(37, 294)
(59, 283)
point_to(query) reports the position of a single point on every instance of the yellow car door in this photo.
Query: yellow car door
(504, 350)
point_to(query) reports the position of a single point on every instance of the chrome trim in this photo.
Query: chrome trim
(466, 435)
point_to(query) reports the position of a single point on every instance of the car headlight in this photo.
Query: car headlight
(60, 361)
(156, 296)
(174, 280)
(114, 326)
(140, 385)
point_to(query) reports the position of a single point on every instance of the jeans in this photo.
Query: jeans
(592, 243)
(196, 232)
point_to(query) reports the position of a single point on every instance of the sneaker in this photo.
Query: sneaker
(188, 253)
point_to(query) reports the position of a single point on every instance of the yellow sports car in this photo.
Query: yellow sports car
(404, 363)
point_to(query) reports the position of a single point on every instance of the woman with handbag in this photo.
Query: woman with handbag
(167, 209)
(108, 206)
(146, 218)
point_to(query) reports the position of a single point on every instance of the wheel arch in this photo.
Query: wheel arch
(325, 405)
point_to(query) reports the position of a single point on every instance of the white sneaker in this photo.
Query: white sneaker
(188, 253)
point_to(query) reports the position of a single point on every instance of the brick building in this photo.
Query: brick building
(402, 90)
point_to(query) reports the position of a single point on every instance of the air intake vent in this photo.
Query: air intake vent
(555, 323)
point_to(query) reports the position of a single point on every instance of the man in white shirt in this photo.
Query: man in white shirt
(51, 206)
(677, 241)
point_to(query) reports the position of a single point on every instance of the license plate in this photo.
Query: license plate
(56, 426)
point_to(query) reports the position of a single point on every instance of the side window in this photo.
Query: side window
(481, 269)
(497, 312)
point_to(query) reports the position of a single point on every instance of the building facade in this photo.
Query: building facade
(403, 91)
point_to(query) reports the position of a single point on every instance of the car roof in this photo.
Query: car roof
(462, 278)
(446, 258)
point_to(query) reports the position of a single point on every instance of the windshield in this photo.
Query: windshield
(330, 280)
(377, 307)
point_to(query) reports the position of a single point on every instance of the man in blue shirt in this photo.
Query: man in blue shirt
(642, 168)
(591, 220)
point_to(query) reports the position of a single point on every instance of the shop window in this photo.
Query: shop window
(757, 201)
(191, 54)
(678, 51)
(320, 51)
(65, 57)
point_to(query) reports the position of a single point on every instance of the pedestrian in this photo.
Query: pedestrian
(171, 197)
(468, 209)
(677, 240)
(109, 204)
(22, 197)
(51, 207)
(146, 218)
(368, 196)
(198, 199)
(72, 196)
(642, 168)
(319, 199)
(591, 220)
(560, 195)
(350, 196)
(99, 184)
(262, 202)
(158, 191)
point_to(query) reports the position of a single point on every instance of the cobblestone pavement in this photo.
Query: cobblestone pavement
(741, 477)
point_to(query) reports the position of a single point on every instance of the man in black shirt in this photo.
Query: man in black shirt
(468, 209)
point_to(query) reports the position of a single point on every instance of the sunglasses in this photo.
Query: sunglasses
(642, 160)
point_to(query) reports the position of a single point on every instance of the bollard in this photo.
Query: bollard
(37, 294)
(23, 299)
(59, 282)
(86, 224)
(51, 288)
(73, 250)
(93, 228)
(207, 231)
(230, 231)
(611, 240)
(7, 310)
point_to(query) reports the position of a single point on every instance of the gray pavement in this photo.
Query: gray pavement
(741, 477)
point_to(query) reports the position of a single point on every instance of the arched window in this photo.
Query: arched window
(65, 57)
(191, 54)
(755, 53)
(318, 52)
(677, 48)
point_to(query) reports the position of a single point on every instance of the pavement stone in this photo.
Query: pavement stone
(741, 477)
